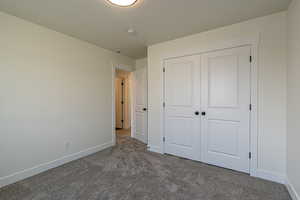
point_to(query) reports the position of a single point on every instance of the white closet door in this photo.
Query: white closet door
(182, 106)
(225, 101)
(141, 105)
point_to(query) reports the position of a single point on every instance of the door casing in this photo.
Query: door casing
(253, 42)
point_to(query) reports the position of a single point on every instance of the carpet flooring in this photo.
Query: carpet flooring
(129, 172)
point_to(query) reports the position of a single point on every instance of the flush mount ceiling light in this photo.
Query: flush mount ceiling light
(123, 3)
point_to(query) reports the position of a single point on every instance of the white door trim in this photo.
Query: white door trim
(253, 42)
(114, 67)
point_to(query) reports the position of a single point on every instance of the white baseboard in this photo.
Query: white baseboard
(259, 173)
(292, 190)
(18, 176)
(270, 176)
(155, 149)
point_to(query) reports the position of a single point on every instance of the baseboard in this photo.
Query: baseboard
(292, 190)
(155, 149)
(18, 176)
(270, 176)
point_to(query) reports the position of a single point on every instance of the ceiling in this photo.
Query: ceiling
(154, 21)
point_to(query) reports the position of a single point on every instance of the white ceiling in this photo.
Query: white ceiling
(154, 21)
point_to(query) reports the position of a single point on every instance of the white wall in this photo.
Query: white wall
(54, 89)
(272, 84)
(140, 63)
(293, 125)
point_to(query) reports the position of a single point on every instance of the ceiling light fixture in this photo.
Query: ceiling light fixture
(123, 3)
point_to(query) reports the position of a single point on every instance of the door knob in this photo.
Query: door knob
(203, 113)
(197, 113)
(144, 109)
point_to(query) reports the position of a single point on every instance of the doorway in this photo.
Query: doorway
(130, 107)
(123, 102)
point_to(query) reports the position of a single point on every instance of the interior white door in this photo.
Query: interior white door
(225, 101)
(118, 102)
(182, 107)
(141, 105)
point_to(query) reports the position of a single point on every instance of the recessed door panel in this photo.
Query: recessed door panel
(140, 124)
(180, 79)
(179, 126)
(223, 137)
(223, 81)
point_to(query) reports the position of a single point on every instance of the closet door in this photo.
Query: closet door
(182, 107)
(225, 108)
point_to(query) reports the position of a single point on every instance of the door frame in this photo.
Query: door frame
(252, 41)
(127, 68)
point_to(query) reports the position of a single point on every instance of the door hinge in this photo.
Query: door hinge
(122, 83)
(122, 121)
(250, 155)
(164, 139)
(164, 69)
(164, 104)
(122, 102)
(250, 107)
(250, 59)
